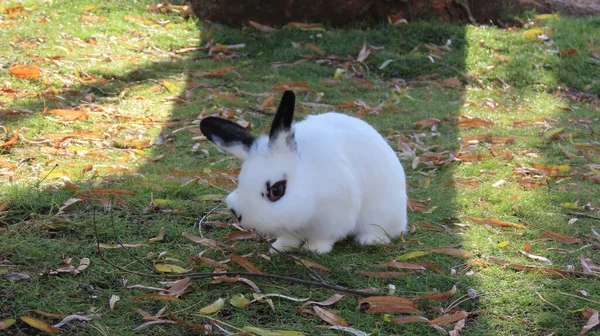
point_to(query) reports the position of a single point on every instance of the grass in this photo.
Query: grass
(124, 71)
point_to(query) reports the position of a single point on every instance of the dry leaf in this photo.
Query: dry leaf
(389, 304)
(428, 122)
(25, 71)
(551, 170)
(451, 83)
(592, 322)
(452, 251)
(245, 263)
(168, 268)
(364, 53)
(262, 28)
(402, 265)
(155, 296)
(535, 257)
(329, 317)
(240, 235)
(384, 275)
(457, 328)
(214, 307)
(113, 301)
(451, 318)
(11, 141)
(69, 115)
(331, 300)
(437, 295)
(494, 222)
(561, 238)
(409, 319)
(200, 240)
(40, 325)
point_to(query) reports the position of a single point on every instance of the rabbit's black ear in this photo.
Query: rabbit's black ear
(285, 113)
(227, 136)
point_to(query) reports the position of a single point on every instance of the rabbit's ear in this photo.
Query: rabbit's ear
(285, 112)
(280, 134)
(228, 136)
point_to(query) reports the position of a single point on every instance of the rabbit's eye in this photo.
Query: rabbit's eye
(276, 191)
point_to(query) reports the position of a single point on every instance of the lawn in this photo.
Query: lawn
(496, 127)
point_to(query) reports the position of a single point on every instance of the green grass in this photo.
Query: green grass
(128, 79)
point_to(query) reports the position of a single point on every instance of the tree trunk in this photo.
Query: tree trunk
(344, 12)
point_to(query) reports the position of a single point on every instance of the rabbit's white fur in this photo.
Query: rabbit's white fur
(342, 179)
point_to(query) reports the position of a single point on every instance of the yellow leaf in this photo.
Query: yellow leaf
(568, 205)
(39, 324)
(239, 301)
(503, 243)
(167, 268)
(532, 34)
(413, 254)
(339, 73)
(264, 332)
(542, 17)
(6, 323)
(159, 236)
(214, 307)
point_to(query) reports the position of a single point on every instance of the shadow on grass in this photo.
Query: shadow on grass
(36, 240)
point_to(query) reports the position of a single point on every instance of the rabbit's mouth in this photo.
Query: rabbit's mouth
(239, 217)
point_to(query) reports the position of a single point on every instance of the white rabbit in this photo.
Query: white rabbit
(317, 181)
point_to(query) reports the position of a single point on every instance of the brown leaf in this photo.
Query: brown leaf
(467, 122)
(312, 264)
(584, 264)
(450, 318)
(262, 28)
(329, 316)
(428, 122)
(207, 261)
(416, 206)
(25, 71)
(364, 53)
(92, 19)
(471, 157)
(389, 304)
(543, 270)
(315, 49)
(11, 141)
(331, 300)
(430, 266)
(245, 263)
(592, 322)
(301, 25)
(40, 325)
(561, 238)
(437, 295)
(200, 240)
(457, 328)
(178, 287)
(494, 222)
(296, 86)
(155, 158)
(384, 275)
(568, 52)
(240, 235)
(551, 170)
(402, 265)
(131, 143)
(220, 72)
(410, 319)
(69, 115)
(451, 83)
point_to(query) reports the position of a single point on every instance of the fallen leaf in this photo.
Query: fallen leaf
(107, 192)
(178, 287)
(428, 122)
(6, 323)
(200, 240)
(15, 276)
(239, 301)
(11, 141)
(40, 325)
(409, 319)
(468, 122)
(315, 49)
(69, 115)
(543, 270)
(220, 72)
(385, 64)
(25, 71)
(113, 301)
(389, 304)
(399, 264)
(416, 206)
(413, 254)
(457, 328)
(214, 307)
(328, 302)
(451, 83)
(115, 246)
(438, 296)
(296, 86)
(76, 318)
(155, 296)
(561, 238)
(364, 53)
(265, 332)
(262, 28)
(329, 317)
(538, 258)
(245, 263)
(494, 222)
(159, 236)
(551, 170)
(168, 268)
(452, 251)
(92, 19)
(592, 322)
(450, 318)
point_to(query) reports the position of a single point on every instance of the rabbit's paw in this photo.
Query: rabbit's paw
(285, 243)
(372, 239)
(319, 246)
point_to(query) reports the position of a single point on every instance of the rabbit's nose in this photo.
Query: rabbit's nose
(239, 218)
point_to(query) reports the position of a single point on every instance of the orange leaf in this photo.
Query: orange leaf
(25, 71)
(207, 261)
(239, 235)
(312, 264)
(262, 28)
(69, 115)
(131, 143)
(39, 324)
(451, 318)
(416, 206)
(12, 140)
(561, 238)
(315, 49)
(155, 296)
(389, 304)
(437, 295)
(331, 300)
(329, 316)
(453, 252)
(465, 121)
(430, 266)
(297, 86)
(214, 73)
(245, 263)
(427, 122)
(494, 222)
(551, 170)
(471, 157)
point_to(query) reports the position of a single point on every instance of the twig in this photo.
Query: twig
(548, 302)
(582, 215)
(254, 109)
(312, 272)
(45, 177)
(112, 221)
(204, 217)
(579, 297)
(216, 274)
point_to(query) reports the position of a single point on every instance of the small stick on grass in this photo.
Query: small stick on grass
(579, 297)
(582, 215)
(548, 302)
